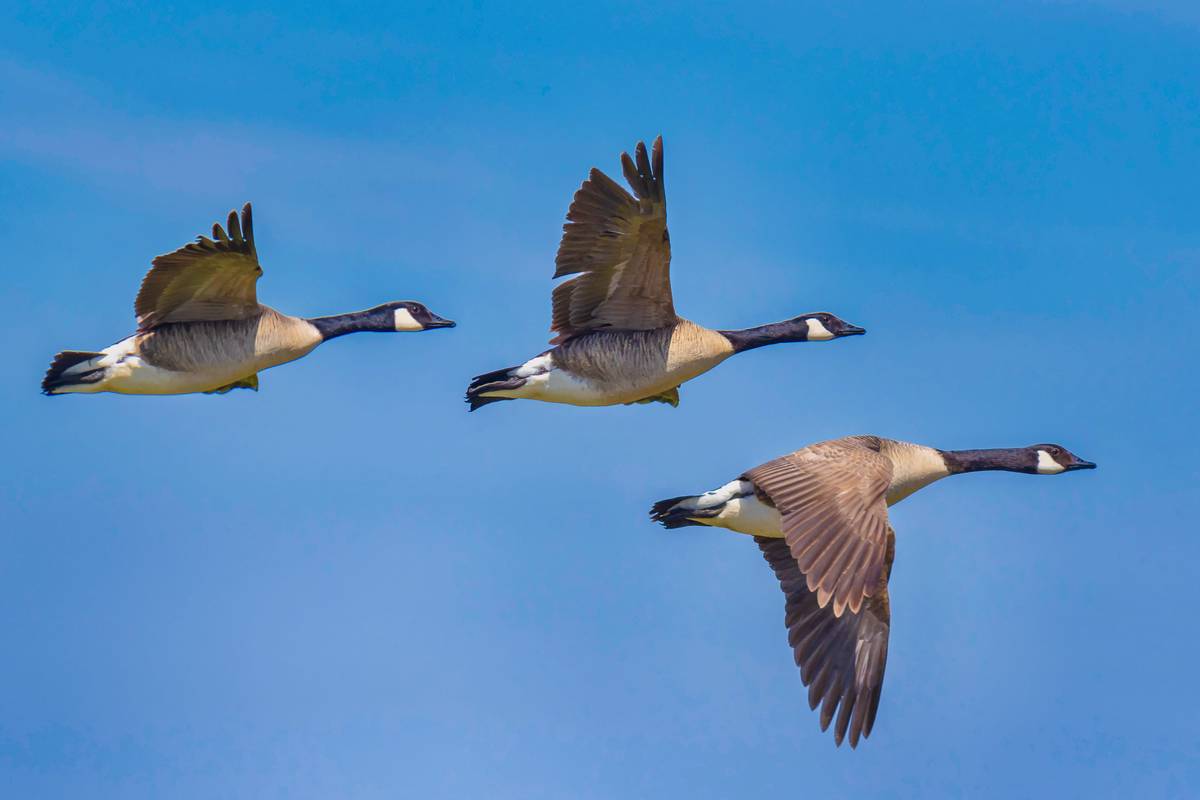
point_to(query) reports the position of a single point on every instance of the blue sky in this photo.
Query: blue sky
(344, 585)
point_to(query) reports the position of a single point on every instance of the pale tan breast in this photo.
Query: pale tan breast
(279, 338)
(914, 467)
(696, 349)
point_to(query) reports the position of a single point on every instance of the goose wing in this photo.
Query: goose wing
(841, 659)
(830, 496)
(619, 243)
(208, 279)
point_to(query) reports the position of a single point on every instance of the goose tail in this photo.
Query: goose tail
(499, 380)
(72, 371)
(679, 512)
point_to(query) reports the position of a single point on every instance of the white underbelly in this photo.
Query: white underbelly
(559, 386)
(135, 376)
(546, 381)
(740, 510)
(125, 372)
(748, 515)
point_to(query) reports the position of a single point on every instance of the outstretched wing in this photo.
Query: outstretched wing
(841, 659)
(208, 279)
(831, 497)
(620, 244)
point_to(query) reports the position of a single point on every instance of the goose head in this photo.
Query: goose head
(823, 326)
(1051, 459)
(1036, 459)
(409, 315)
(819, 327)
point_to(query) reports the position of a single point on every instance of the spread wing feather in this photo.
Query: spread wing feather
(619, 242)
(208, 279)
(841, 658)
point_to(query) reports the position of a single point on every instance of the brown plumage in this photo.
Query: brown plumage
(260, 340)
(645, 360)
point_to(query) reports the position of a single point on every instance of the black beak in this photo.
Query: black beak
(438, 322)
(1079, 463)
(851, 330)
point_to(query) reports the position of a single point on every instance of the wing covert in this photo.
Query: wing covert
(831, 497)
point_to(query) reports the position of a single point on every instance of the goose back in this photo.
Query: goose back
(223, 350)
(631, 365)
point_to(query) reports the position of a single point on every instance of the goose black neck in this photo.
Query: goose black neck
(763, 335)
(380, 318)
(1008, 459)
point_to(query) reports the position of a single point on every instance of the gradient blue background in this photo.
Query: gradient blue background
(346, 586)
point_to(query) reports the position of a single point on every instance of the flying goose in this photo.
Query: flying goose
(819, 515)
(618, 338)
(202, 329)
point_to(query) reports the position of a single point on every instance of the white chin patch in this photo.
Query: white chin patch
(405, 321)
(817, 332)
(1047, 465)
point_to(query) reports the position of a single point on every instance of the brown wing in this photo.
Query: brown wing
(830, 496)
(841, 659)
(620, 244)
(208, 279)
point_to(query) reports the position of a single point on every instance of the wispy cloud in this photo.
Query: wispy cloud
(58, 125)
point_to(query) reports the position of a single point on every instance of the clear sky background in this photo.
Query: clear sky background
(346, 586)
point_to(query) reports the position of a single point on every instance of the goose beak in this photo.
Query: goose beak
(851, 330)
(1079, 463)
(438, 322)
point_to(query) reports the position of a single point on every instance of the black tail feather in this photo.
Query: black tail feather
(666, 513)
(476, 402)
(490, 382)
(62, 362)
(489, 377)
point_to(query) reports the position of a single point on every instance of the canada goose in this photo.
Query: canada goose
(201, 328)
(819, 516)
(618, 337)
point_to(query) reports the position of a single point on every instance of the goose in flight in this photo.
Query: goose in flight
(202, 329)
(819, 516)
(618, 339)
